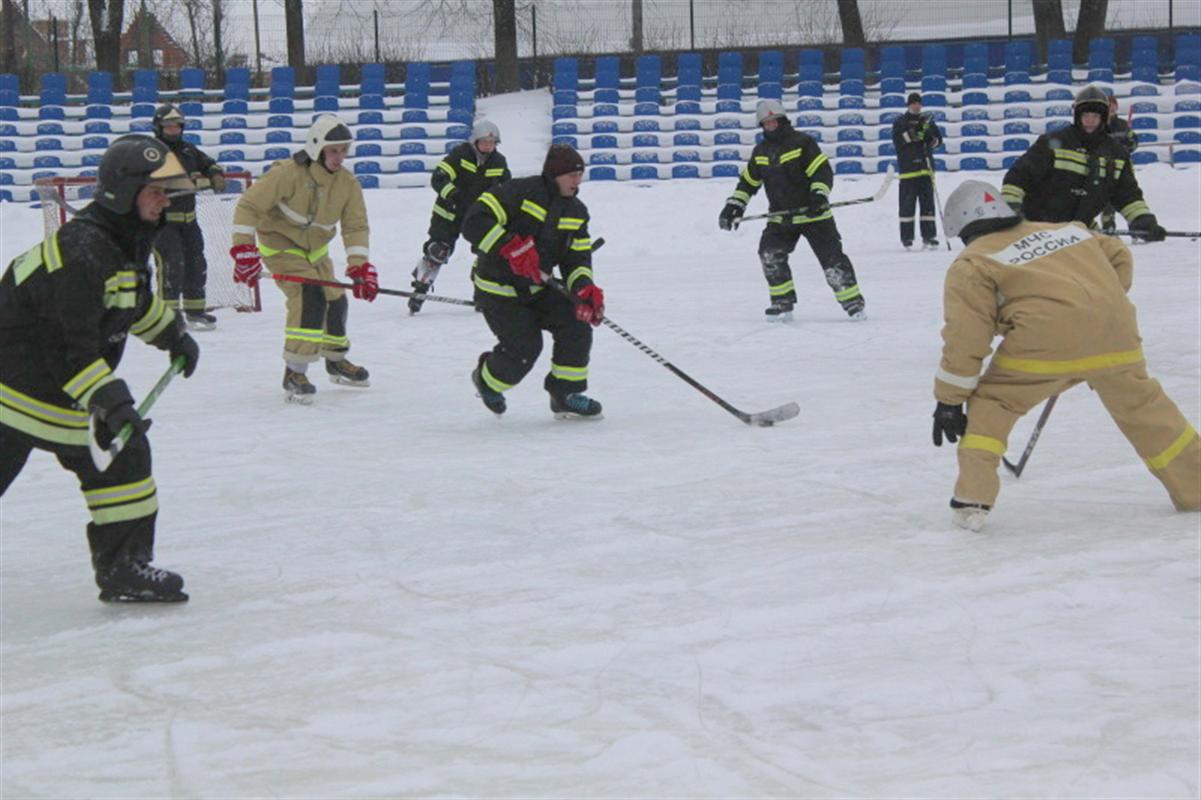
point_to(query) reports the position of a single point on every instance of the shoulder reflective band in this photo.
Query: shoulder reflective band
(498, 211)
(571, 223)
(534, 210)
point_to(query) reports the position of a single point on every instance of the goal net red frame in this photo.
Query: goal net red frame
(214, 213)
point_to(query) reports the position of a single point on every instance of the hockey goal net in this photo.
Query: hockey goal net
(62, 197)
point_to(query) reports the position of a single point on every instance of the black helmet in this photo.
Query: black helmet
(167, 113)
(1091, 98)
(132, 162)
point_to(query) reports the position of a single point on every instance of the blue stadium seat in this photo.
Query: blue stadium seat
(1015, 145)
(850, 135)
(1144, 91)
(226, 156)
(232, 137)
(933, 83)
(975, 81)
(188, 136)
(283, 82)
(98, 112)
(235, 107)
(1187, 121)
(412, 148)
(565, 128)
(604, 140)
(685, 156)
(276, 105)
(325, 103)
(191, 81)
(280, 153)
(685, 171)
(47, 161)
(145, 86)
(851, 118)
(606, 110)
(602, 158)
(1014, 128)
(646, 109)
(100, 88)
(7, 163)
(686, 140)
(279, 121)
(48, 144)
(1058, 111)
(1017, 96)
(688, 93)
(851, 102)
(1144, 123)
(367, 168)
(771, 66)
(646, 124)
(771, 91)
(368, 181)
(687, 125)
(1017, 112)
(605, 126)
(602, 173)
(975, 99)
(973, 146)
(892, 101)
(369, 134)
(372, 79)
(278, 136)
(934, 100)
(892, 86)
(1187, 156)
(56, 128)
(233, 122)
(419, 132)
(1181, 105)
(1144, 157)
(7, 146)
(850, 167)
(192, 109)
(371, 118)
(849, 151)
(570, 141)
(646, 140)
(726, 154)
(887, 149)
(456, 132)
(1100, 60)
(1187, 137)
(809, 121)
(95, 142)
(1059, 94)
(973, 163)
(644, 173)
(1056, 124)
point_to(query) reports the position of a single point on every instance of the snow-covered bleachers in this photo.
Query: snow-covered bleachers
(401, 130)
(689, 125)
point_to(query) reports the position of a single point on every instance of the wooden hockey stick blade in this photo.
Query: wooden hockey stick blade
(765, 419)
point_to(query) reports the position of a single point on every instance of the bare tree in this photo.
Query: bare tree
(108, 18)
(294, 19)
(1048, 24)
(1089, 25)
(10, 36)
(636, 25)
(190, 8)
(78, 43)
(852, 23)
(504, 24)
(218, 48)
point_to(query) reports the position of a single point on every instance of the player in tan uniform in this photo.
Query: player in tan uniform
(295, 209)
(1056, 293)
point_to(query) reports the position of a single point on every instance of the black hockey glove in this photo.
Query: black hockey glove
(949, 420)
(730, 217)
(186, 346)
(451, 204)
(1147, 228)
(818, 204)
(113, 405)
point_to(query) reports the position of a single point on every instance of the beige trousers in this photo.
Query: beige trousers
(316, 315)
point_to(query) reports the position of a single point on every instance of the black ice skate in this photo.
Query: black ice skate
(856, 310)
(297, 385)
(420, 290)
(132, 580)
(200, 321)
(495, 401)
(907, 243)
(929, 244)
(575, 406)
(779, 311)
(345, 372)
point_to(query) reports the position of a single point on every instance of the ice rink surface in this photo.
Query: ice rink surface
(396, 594)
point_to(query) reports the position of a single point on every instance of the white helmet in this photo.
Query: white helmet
(972, 202)
(485, 129)
(326, 129)
(769, 109)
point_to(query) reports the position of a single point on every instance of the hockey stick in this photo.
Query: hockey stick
(763, 419)
(883, 190)
(340, 285)
(938, 203)
(103, 457)
(1169, 234)
(1038, 429)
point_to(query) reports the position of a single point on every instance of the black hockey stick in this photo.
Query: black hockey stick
(763, 419)
(103, 457)
(1038, 429)
(938, 203)
(1169, 234)
(883, 190)
(434, 298)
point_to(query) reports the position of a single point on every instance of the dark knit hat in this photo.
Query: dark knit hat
(562, 159)
(914, 97)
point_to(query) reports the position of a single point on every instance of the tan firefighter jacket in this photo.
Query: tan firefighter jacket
(296, 208)
(1054, 291)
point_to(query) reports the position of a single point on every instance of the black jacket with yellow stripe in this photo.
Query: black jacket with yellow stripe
(915, 137)
(196, 162)
(462, 178)
(528, 207)
(792, 169)
(1068, 176)
(66, 307)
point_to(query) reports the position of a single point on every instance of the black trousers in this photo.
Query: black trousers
(518, 327)
(129, 476)
(914, 191)
(180, 246)
(444, 231)
(780, 239)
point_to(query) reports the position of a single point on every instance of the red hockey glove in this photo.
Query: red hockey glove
(366, 281)
(247, 263)
(522, 255)
(591, 308)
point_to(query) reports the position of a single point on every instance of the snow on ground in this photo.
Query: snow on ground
(395, 593)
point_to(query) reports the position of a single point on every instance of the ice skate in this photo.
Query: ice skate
(575, 406)
(420, 290)
(929, 244)
(200, 321)
(779, 311)
(347, 373)
(969, 516)
(297, 385)
(857, 311)
(907, 244)
(132, 580)
(495, 401)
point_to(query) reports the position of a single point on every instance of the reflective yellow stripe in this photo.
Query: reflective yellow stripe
(571, 223)
(86, 378)
(125, 279)
(974, 441)
(740, 195)
(51, 255)
(491, 237)
(120, 299)
(339, 342)
(1174, 449)
(1041, 367)
(126, 512)
(442, 212)
(568, 373)
(448, 169)
(577, 273)
(181, 216)
(1135, 210)
(791, 155)
(847, 294)
(446, 190)
(819, 187)
(534, 210)
(111, 495)
(781, 288)
(1070, 166)
(17, 419)
(764, 160)
(584, 245)
(26, 264)
(815, 164)
(918, 174)
(1012, 192)
(468, 165)
(31, 406)
(801, 219)
(495, 172)
(1070, 155)
(491, 287)
(154, 321)
(491, 381)
(314, 335)
(194, 304)
(312, 256)
(498, 211)
(746, 176)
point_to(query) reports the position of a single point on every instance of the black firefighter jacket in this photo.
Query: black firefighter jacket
(528, 207)
(461, 178)
(792, 169)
